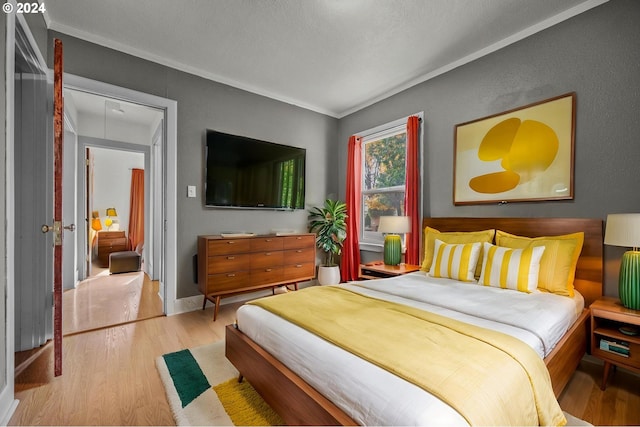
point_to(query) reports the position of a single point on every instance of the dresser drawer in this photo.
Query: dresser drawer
(295, 242)
(266, 275)
(114, 244)
(266, 244)
(228, 263)
(262, 260)
(228, 246)
(298, 256)
(299, 271)
(227, 281)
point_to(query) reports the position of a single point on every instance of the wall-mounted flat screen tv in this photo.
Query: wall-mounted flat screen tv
(248, 173)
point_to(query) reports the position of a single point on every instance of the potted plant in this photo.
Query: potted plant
(329, 225)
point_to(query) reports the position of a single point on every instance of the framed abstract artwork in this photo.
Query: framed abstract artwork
(525, 154)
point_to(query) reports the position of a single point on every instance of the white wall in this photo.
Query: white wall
(112, 182)
(116, 130)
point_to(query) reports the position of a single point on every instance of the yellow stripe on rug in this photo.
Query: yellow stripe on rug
(244, 405)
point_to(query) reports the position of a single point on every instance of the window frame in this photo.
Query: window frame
(374, 237)
(368, 240)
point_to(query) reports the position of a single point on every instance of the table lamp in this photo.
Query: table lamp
(393, 226)
(624, 230)
(109, 221)
(95, 221)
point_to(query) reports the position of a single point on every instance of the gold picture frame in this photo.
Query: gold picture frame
(524, 154)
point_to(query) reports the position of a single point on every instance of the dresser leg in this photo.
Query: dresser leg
(204, 302)
(215, 309)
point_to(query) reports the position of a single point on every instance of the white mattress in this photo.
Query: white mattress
(374, 396)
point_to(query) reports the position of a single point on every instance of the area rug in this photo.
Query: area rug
(202, 389)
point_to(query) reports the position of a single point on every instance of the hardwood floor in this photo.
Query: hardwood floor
(106, 300)
(618, 404)
(109, 377)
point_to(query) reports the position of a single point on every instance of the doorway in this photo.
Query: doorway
(114, 142)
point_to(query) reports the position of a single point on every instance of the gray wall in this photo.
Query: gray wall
(203, 104)
(595, 54)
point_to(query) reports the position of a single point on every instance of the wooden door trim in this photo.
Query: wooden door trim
(58, 140)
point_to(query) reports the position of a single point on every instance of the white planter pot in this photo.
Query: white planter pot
(329, 275)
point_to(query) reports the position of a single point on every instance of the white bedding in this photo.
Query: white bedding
(372, 395)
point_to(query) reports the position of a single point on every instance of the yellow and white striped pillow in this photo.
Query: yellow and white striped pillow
(511, 268)
(455, 261)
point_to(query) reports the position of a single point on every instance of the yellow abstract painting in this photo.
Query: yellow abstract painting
(520, 155)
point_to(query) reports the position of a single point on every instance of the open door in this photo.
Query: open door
(93, 224)
(57, 228)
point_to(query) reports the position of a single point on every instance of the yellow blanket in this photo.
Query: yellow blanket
(490, 378)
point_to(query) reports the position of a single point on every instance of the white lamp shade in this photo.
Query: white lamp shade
(394, 224)
(623, 230)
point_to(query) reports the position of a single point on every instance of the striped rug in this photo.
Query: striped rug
(202, 389)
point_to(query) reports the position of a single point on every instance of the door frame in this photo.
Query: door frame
(168, 268)
(8, 403)
(87, 142)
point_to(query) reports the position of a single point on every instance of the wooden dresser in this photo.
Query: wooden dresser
(110, 241)
(230, 266)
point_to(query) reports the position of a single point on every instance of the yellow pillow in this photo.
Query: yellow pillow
(558, 264)
(507, 268)
(430, 235)
(455, 261)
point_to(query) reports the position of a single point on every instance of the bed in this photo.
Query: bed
(304, 401)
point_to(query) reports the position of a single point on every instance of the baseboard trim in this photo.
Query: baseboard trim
(10, 410)
(193, 303)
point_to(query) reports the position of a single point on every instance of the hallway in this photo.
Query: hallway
(105, 300)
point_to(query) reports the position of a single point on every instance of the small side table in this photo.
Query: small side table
(379, 270)
(608, 342)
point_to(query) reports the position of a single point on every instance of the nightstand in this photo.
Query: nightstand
(108, 242)
(608, 342)
(379, 270)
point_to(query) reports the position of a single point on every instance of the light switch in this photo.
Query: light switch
(191, 191)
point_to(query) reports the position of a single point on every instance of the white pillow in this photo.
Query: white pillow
(455, 261)
(511, 268)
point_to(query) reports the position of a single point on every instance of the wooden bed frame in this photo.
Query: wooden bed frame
(300, 404)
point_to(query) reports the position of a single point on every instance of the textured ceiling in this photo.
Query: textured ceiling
(330, 56)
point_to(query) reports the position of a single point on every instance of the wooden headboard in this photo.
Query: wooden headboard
(589, 270)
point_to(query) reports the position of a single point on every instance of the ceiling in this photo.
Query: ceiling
(112, 110)
(330, 56)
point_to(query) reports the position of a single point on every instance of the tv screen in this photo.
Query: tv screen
(248, 173)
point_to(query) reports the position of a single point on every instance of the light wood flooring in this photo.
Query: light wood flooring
(109, 377)
(109, 299)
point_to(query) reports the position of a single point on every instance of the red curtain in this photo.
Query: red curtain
(136, 206)
(412, 192)
(350, 261)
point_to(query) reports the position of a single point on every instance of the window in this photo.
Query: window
(383, 177)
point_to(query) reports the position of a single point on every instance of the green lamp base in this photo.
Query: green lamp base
(629, 280)
(392, 249)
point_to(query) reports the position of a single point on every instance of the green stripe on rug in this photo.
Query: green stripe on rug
(187, 376)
